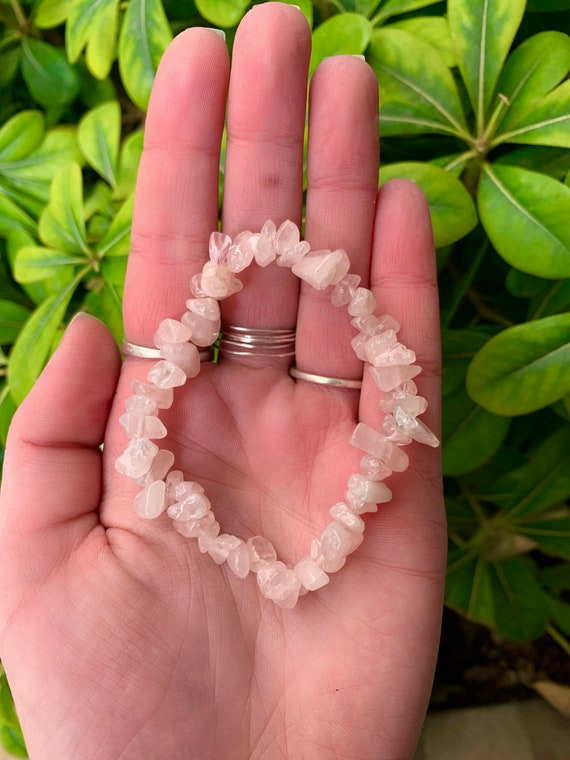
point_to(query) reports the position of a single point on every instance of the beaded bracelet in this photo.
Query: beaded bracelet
(179, 341)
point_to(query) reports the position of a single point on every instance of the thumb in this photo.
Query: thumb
(52, 466)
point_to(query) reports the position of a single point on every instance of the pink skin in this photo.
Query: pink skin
(121, 640)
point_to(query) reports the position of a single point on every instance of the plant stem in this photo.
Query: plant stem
(475, 506)
(464, 285)
(486, 312)
(561, 640)
(19, 13)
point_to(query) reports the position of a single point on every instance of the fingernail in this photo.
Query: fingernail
(220, 33)
(298, 7)
(362, 58)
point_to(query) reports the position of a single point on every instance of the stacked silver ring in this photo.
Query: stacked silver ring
(249, 341)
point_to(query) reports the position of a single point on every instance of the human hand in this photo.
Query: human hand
(120, 640)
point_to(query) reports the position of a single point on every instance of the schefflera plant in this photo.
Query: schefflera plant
(498, 118)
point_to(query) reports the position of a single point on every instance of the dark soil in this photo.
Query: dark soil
(476, 667)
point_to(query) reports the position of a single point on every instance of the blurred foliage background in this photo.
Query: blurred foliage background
(475, 107)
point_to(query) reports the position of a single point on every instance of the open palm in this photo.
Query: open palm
(121, 640)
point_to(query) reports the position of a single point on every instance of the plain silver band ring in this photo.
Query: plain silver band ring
(145, 352)
(334, 382)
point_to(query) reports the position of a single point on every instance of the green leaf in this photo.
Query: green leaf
(107, 306)
(7, 411)
(131, 152)
(432, 29)
(395, 7)
(13, 741)
(61, 224)
(525, 215)
(19, 136)
(31, 349)
(49, 77)
(102, 40)
(343, 34)
(531, 72)
(560, 612)
(13, 218)
(114, 270)
(523, 368)
(551, 533)
(552, 161)
(12, 317)
(545, 481)
(52, 13)
(117, 241)
(145, 35)
(7, 709)
(33, 174)
(482, 33)
(222, 13)
(504, 596)
(35, 263)
(99, 136)
(84, 17)
(556, 578)
(452, 210)
(9, 64)
(471, 435)
(417, 92)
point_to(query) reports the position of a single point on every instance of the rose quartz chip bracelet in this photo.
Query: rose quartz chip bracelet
(179, 341)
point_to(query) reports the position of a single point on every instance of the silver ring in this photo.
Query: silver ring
(253, 341)
(145, 352)
(334, 382)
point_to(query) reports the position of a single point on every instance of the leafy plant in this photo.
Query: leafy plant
(475, 107)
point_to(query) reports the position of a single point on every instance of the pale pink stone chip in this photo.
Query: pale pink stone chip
(219, 246)
(207, 537)
(345, 516)
(322, 268)
(369, 490)
(294, 254)
(388, 378)
(278, 583)
(165, 374)
(261, 551)
(408, 424)
(336, 542)
(266, 252)
(208, 307)
(396, 356)
(151, 502)
(137, 458)
(140, 425)
(242, 252)
(358, 505)
(238, 560)
(345, 289)
(184, 355)
(143, 404)
(369, 440)
(373, 468)
(221, 547)
(193, 507)
(391, 432)
(310, 573)
(358, 344)
(171, 331)
(159, 468)
(287, 237)
(194, 528)
(362, 303)
(378, 344)
(185, 488)
(162, 397)
(204, 330)
(218, 281)
(173, 478)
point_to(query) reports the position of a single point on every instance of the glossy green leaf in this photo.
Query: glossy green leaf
(12, 317)
(546, 159)
(107, 306)
(471, 435)
(504, 596)
(417, 92)
(343, 34)
(35, 341)
(432, 29)
(61, 224)
(13, 741)
(114, 270)
(7, 709)
(145, 35)
(525, 215)
(452, 210)
(7, 411)
(222, 13)
(99, 136)
(545, 480)
(35, 263)
(19, 136)
(554, 298)
(83, 18)
(50, 13)
(395, 7)
(550, 532)
(9, 64)
(49, 77)
(102, 41)
(482, 33)
(117, 241)
(533, 70)
(523, 368)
